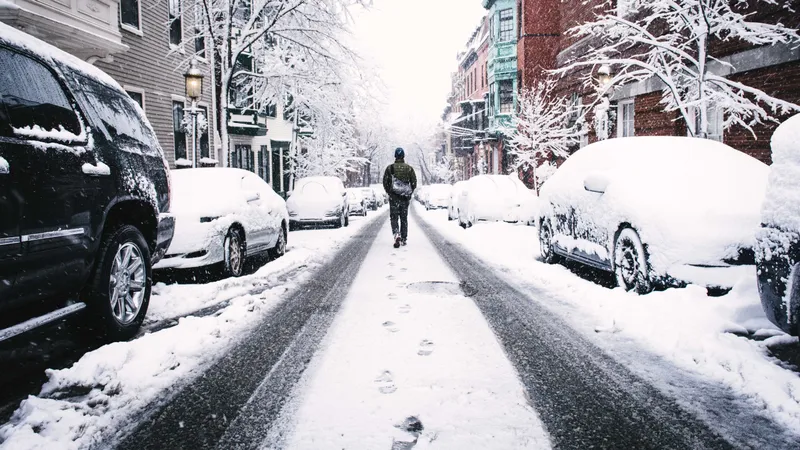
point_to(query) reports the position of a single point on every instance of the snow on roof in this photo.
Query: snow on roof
(44, 50)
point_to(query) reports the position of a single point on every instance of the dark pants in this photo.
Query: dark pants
(398, 212)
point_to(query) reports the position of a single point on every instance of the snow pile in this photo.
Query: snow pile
(692, 201)
(685, 327)
(84, 405)
(183, 162)
(100, 169)
(38, 133)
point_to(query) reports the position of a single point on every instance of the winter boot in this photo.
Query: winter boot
(397, 241)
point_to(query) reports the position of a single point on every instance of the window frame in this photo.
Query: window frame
(716, 118)
(621, 107)
(171, 21)
(128, 27)
(500, 104)
(137, 90)
(509, 19)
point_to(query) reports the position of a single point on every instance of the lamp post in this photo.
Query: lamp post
(194, 90)
(601, 111)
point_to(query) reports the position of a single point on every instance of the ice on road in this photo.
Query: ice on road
(404, 349)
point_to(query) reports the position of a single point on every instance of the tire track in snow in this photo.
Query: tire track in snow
(255, 378)
(584, 398)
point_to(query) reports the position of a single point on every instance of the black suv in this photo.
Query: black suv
(84, 193)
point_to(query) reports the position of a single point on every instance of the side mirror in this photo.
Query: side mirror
(252, 196)
(596, 182)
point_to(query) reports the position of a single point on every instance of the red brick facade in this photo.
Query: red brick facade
(545, 43)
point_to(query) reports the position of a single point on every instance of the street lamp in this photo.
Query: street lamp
(194, 90)
(604, 77)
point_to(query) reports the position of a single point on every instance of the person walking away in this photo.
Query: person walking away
(400, 182)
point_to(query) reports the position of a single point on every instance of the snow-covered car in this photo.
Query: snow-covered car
(357, 202)
(84, 194)
(369, 197)
(318, 201)
(452, 201)
(656, 211)
(437, 196)
(490, 198)
(778, 240)
(526, 210)
(380, 194)
(224, 215)
(421, 194)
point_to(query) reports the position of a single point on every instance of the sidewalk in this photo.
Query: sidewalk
(400, 349)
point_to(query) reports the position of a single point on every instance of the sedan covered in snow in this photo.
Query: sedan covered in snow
(318, 201)
(778, 240)
(656, 211)
(357, 202)
(369, 197)
(437, 196)
(491, 198)
(224, 215)
(452, 202)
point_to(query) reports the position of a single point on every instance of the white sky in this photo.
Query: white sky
(414, 43)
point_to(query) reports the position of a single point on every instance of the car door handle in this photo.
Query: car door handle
(5, 169)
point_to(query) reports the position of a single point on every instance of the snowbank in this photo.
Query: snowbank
(85, 405)
(685, 326)
(782, 202)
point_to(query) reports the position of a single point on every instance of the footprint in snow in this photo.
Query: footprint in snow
(405, 309)
(403, 269)
(392, 295)
(390, 278)
(425, 348)
(391, 326)
(391, 264)
(385, 383)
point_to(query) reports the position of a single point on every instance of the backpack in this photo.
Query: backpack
(399, 187)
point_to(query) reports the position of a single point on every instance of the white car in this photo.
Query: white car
(224, 215)
(437, 196)
(656, 211)
(491, 198)
(380, 194)
(369, 197)
(357, 202)
(452, 201)
(318, 201)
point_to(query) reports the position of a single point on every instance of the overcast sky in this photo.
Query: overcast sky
(414, 44)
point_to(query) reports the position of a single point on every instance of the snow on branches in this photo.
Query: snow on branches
(543, 130)
(670, 40)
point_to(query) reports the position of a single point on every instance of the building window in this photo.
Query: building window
(715, 120)
(491, 99)
(506, 25)
(129, 14)
(178, 130)
(137, 96)
(263, 163)
(199, 43)
(175, 26)
(506, 88)
(626, 118)
(242, 157)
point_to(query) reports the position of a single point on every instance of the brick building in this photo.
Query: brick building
(545, 44)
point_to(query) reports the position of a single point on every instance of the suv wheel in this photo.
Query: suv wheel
(280, 246)
(546, 244)
(119, 293)
(630, 262)
(234, 253)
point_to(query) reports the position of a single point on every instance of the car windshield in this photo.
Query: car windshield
(399, 224)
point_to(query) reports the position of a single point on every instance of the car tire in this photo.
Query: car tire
(234, 248)
(630, 262)
(280, 246)
(546, 248)
(119, 292)
(347, 220)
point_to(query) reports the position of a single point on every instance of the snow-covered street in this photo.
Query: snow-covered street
(457, 341)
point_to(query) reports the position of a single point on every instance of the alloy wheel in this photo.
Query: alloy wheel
(234, 250)
(127, 283)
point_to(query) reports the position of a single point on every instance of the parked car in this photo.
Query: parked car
(84, 193)
(421, 194)
(656, 211)
(380, 194)
(490, 198)
(224, 216)
(318, 201)
(778, 240)
(437, 196)
(526, 210)
(452, 201)
(357, 202)
(369, 197)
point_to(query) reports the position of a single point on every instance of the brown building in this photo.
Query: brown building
(145, 47)
(544, 44)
